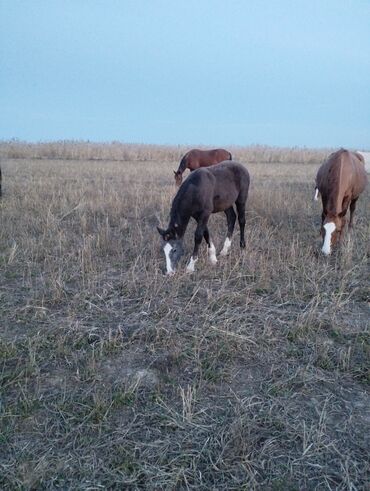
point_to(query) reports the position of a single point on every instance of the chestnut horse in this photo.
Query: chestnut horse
(206, 191)
(340, 181)
(200, 158)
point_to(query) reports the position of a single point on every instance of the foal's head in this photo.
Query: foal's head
(178, 177)
(173, 248)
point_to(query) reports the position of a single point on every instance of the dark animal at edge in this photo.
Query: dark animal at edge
(206, 191)
(194, 159)
(340, 181)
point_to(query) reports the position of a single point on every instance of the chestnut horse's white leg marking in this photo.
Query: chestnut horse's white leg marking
(226, 247)
(316, 194)
(329, 229)
(167, 249)
(191, 266)
(212, 253)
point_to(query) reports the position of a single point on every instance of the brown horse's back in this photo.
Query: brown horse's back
(204, 158)
(195, 159)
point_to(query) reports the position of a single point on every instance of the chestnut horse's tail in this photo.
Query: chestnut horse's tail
(230, 156)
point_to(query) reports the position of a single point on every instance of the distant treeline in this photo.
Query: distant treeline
(84, 150)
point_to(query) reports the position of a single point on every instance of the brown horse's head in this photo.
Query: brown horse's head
(178, 177)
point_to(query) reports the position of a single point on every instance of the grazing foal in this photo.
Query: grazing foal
(206, 191)
(195, 159)
(340, 181)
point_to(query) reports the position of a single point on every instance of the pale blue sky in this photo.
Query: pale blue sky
(212, 72)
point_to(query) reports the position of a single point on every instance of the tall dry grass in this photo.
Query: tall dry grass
(250, 375)
(81, 150)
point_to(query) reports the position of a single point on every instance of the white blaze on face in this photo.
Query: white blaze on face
(167, 249)
(316, 194)
(191, 266)
(329, 229)
(226, 247)
(212, 253)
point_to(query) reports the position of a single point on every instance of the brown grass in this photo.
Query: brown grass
(250, 375)
(117, 151)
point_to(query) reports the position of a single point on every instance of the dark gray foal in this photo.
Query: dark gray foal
(207, 190)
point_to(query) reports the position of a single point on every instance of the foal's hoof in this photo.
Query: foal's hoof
(191, 266)
(242, 245)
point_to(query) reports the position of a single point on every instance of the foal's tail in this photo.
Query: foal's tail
(230, 156)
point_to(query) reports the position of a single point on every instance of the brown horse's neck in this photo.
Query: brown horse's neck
(183, 164)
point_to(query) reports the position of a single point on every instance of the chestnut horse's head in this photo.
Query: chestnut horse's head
(331, 231)
(178, 177)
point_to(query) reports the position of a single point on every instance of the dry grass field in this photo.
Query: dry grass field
(253, 374)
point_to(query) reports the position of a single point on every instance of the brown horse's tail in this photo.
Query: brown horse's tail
(230, 156)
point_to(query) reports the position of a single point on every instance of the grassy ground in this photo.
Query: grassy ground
(250, 375)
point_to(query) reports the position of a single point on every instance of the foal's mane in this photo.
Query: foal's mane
(176, 216)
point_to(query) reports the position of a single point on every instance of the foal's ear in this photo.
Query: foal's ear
(161, 231)
(175, 172)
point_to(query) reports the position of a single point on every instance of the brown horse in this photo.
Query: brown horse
(340, 181)
(206, 191)
(195, 159)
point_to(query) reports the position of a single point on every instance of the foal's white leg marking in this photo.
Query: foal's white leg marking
(316, 194)
(226, 247)
(329, 229)
(167, 249)
(191, 266)
(212, 253)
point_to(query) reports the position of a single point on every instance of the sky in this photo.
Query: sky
(210, 72)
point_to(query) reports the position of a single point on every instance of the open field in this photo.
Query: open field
(253, 374)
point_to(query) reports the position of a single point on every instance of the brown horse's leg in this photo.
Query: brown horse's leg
(352, 208)
(231, 218)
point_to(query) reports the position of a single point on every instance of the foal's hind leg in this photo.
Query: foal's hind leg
(240, 206)
(231, 218)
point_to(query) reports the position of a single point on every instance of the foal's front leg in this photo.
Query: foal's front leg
(200, 231)
(211, 246)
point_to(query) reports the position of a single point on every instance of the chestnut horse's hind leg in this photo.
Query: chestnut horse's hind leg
(352, 208)
(231, 218)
